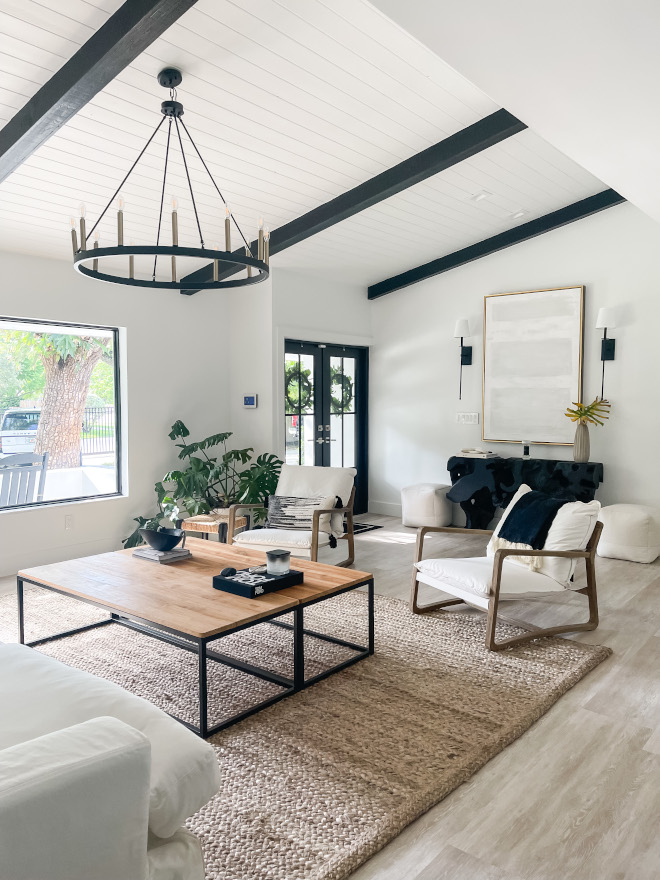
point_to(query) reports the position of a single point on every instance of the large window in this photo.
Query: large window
(59, 412)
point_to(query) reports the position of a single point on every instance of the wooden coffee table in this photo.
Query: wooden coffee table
(177, 604)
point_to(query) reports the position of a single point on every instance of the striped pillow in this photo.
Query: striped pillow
(285, 512)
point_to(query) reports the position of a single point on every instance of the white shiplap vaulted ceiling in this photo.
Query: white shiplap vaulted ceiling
(292, 102)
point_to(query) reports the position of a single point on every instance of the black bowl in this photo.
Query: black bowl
(163, 539)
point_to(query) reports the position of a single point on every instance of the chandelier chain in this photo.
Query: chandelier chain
(162, 194)
(190, 187)
(240, 231)
(115, 193)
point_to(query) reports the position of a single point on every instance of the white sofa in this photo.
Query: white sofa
(95, 783)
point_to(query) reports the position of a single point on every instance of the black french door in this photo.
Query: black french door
(325, 405)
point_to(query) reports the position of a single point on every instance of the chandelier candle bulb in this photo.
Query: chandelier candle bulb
(266, 245)
(74, 237)
(120, 222)
(216, 264)
(131, 265)
(260, 246)
(95, 263)
(249, 268)
(83, 230)
(227, 229)
(175, 234)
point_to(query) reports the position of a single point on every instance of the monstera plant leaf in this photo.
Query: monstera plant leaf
(208, 481)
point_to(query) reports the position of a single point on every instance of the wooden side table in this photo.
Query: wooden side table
(211, 524)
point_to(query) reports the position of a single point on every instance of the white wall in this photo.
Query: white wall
(414, 359)
(176, 367)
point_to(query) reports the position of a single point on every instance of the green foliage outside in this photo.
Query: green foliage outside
(22, 372)
(229, 476)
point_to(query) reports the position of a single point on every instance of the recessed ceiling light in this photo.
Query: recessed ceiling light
(518, 215)
(480, 196)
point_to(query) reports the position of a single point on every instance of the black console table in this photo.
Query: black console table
(480, 485)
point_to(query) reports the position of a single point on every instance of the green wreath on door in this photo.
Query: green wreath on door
(298, 388)
(337, 377)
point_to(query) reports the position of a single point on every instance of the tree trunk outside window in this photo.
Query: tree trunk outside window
(63, 409)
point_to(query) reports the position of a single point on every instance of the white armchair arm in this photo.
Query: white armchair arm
(74, 804)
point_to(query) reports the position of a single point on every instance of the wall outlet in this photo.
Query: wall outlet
(68, 522)
(465, 418)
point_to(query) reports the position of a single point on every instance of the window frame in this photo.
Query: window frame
(119, 447)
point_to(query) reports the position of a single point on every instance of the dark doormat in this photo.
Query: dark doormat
(362, 527)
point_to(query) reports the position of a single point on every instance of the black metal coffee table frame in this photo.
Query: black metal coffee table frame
(200, 647)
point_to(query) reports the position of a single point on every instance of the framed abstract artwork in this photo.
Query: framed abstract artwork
(532, 364)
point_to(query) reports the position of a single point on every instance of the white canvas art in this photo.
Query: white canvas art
(532, 364)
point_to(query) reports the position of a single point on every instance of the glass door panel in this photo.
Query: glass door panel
(299, 408)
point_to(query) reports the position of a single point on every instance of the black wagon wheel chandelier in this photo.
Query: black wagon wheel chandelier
(86, 260)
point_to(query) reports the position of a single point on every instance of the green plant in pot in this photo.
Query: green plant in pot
(586, 414)
(214, 476)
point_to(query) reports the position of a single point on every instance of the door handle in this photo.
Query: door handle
(320, 440)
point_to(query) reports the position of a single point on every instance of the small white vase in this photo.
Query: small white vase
(581, 446)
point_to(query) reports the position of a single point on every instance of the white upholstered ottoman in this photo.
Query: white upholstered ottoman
(426, 504)
(630, 531)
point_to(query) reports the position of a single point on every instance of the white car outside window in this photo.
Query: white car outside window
(18, 431)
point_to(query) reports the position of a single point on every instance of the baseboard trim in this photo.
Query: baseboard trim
(387, 508)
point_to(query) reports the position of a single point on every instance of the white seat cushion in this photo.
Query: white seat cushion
(570, 530)
(298, 539)
(39, 695)
(473, 575)
(630, 531)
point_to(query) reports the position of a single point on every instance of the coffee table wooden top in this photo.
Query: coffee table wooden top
(180, 596)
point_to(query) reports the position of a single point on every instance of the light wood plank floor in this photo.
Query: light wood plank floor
(578, 796)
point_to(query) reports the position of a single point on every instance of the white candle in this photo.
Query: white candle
(83, 232)
(175, 233)
(227, 229)
(74, 237)
(120, 221)
(260, 245)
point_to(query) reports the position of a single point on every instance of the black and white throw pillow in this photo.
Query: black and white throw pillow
(285, 512)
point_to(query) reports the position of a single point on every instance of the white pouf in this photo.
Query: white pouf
(630, 531)
(426, 504)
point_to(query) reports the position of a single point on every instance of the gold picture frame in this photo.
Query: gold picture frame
(532, 364)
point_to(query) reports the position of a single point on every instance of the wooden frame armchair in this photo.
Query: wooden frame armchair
(490, 603)
(304, 482)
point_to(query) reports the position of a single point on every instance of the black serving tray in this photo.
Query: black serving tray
(251, 586)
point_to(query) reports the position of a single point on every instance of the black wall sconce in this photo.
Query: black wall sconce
(461, 330)
(607, 346)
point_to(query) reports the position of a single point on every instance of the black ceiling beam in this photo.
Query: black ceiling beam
(453, 149)
(578, 210)
(127, 33)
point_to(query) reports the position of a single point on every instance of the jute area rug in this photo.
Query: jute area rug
(319, 782)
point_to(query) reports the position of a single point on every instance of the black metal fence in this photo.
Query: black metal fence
(98, 431)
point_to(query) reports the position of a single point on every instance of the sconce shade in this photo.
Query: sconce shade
(605, 319)
(462, 328)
